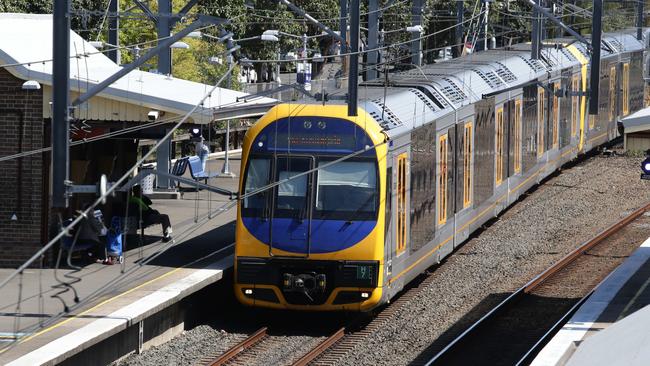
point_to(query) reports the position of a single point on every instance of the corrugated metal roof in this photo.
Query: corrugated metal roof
(27, 38)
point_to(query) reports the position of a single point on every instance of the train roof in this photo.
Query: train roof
(422, 94)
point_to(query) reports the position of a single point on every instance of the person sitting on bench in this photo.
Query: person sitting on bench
(92, 233)
(139, 202)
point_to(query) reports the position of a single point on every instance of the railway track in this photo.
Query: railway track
(511, 333)
(515, 330)
(327, 352)
(246, 351)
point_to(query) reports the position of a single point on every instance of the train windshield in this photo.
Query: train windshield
(257, 177)
(346, 190)
(291, 195)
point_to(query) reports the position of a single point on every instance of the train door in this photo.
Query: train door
(291, 216)
(400, 203)
(445, 186)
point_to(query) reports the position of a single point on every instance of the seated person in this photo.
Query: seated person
(90, 230)
(139, 202)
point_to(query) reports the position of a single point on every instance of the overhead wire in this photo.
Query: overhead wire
(110, 190)
(245, 195)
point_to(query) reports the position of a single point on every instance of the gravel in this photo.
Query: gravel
(563, 212)
(186, 349)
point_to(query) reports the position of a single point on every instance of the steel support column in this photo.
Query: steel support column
(60, 101)
(164, 31)
(354, 58)
(373, 39)
(416, 42)
(113, 31)
(594, 79)
(163, 159)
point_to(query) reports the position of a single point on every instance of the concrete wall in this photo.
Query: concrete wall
(21, 180)
(637, 141)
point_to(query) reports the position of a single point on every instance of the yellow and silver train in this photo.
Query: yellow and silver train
(339, 213)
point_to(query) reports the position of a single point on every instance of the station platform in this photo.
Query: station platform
(122, 307)
(611, 327)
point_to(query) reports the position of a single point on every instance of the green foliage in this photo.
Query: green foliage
(509, 21)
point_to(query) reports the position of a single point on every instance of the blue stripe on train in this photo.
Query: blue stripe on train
(326, 235)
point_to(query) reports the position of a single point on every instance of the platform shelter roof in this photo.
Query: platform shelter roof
(26, 52)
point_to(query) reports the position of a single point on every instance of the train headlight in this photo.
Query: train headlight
(248, 291)
(365, 295)
(645, 166)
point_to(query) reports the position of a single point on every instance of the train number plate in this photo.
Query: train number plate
(364, 273)
(645, 176)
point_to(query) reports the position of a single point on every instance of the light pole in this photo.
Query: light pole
(230, 43)
(225, 171)
(306, 69)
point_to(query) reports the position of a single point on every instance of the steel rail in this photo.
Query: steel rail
(240, 347)
(569, 258)
(541, 278)
(320, 348)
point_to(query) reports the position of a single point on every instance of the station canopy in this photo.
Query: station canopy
(26, 52)
(637, 121)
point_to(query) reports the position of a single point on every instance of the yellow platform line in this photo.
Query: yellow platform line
(73, 317)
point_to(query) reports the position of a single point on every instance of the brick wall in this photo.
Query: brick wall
(21, 180)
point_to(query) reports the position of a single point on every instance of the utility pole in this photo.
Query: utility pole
(594, 80)
(458, 38)
(354, 58)
(343, 26)
(60, 102)
(485, 30)
(373, 39)
(225, 171)
(416, 37)
(534, 51)
(113, 31)
(639, 20)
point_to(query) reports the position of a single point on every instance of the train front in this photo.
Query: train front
(315, 241)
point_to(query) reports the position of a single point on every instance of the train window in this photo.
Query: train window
(626, 88)
(500, 141)
(291, 198)
(442, 179)
(467, 165)
(257, 176)
(540, 121)
(517, 133)
(612, 93)
(346, 190)
(401, 203)
(556, 115)
(575, 101)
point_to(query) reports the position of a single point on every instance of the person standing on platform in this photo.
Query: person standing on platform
(202, 151)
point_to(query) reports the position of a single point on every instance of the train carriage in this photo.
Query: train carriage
(339, 213)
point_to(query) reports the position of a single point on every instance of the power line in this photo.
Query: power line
(110, 190)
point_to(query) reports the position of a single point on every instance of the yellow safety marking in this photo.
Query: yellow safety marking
(50, 328)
